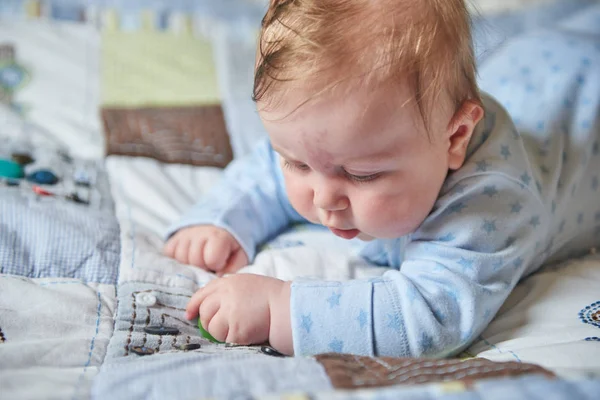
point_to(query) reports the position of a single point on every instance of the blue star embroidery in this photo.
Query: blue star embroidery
(497, 265)
(547, 54)
(334, 299)
(555, 68)
(447, 238)
(595, 183)
(534, 221)
(306, 322)
(580, 218)
(525, 70)
(362, 318)
(580, 79)
(490, 190)
(457, 208)
(525, 178)
(336, 345)
(439, 315)
(561, 227)
(482, 165)
(489, 226)
(394, 322)
(540, 125)
(518, 263)
(426, 342)
(586, 61)
(516, 207)
(505, 152)
(465, 263)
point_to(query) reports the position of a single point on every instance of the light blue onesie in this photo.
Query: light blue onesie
(526, 195)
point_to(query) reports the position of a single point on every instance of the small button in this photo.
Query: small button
(22, 158)
(65, 157)
(268, 350)
(189, 346)
(9, 169)
(145, 299)
(40, 191)
(74, 197)
(161, 330)
(12, 182)
(43, 177)
(142, 350)
(82, 178)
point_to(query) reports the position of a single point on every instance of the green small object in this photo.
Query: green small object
(205, 333)
(10, 169)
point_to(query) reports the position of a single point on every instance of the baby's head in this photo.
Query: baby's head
(369, 103)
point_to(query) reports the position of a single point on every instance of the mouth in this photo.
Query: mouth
(345, 233)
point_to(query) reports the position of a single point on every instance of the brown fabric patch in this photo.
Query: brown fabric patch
(354, 372)
(183, 135)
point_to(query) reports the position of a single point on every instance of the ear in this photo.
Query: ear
(460, 130)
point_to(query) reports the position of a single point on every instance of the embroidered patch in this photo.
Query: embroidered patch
(591, 314)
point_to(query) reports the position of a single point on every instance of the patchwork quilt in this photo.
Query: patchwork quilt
(135, 107)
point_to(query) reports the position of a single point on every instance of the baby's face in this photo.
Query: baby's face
(360, 164)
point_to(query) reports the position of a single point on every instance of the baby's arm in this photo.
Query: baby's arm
(458, 269)
(249, 205)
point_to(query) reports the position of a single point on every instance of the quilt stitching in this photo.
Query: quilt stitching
(493, 346)
(148, 319)
(92, 344)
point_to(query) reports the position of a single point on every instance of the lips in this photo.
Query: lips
(345, 234)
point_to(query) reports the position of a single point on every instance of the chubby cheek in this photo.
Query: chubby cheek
(388, 217)
(300, 196)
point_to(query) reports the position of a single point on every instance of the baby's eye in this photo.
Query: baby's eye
(298, 166)
(362, 178)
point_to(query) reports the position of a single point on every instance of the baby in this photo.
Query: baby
(378, 131)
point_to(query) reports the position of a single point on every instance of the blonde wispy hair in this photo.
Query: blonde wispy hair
(425, 43)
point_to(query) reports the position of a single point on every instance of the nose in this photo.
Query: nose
(328, 198)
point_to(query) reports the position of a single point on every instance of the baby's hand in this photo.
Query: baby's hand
(208, 247)
(245, 309)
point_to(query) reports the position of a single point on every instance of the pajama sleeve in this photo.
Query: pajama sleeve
(458, 269)
(249, 202)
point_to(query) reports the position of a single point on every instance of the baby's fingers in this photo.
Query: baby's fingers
(218, 327)
(170, 246)
(237, 261)
(216, 253)
(191, 310)
(195, 254)
(182, 250)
